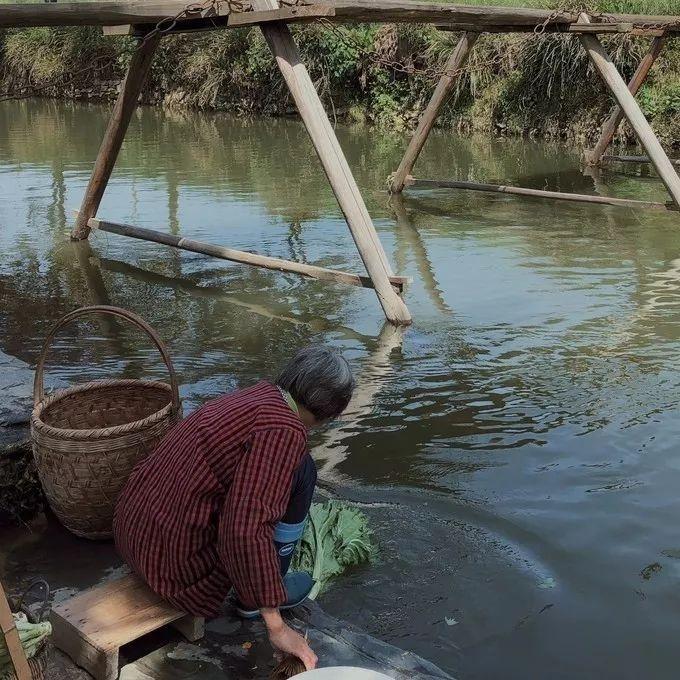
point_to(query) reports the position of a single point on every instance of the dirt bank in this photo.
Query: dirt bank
(537, 85)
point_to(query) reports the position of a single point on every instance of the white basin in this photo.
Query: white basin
(342, 673)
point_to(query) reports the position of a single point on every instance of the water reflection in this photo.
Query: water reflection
(178, 283)
(373, 375)
(530, 412)
(410, 241)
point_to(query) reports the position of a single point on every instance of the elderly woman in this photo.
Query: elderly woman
(222, 500)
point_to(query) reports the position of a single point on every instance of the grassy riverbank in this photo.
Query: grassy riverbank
(514, 84)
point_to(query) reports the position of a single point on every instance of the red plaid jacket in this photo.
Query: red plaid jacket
(197, 515)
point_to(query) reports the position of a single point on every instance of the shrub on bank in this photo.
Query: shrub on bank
(539, 85)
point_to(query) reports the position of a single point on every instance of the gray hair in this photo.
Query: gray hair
(320, 379)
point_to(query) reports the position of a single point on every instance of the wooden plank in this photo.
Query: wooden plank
(285, 51)
(101, 664)
(123, 29)
(92, 626)
(451, 75)
(559, 28)
(603, 28)
(295, 13)
(191, 627)
(481, 18)
(116, 613)
(632, 111)
(10, 634)
(264, 261)
(115, 133)
(612, 124)
(636, 159)
(600, 28)
(87, 13)
(537, 193)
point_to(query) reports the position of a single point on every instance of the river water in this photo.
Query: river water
(517, 448)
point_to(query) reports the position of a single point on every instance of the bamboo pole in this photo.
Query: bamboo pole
(284, 49)
(452, 73)
(115, 133)
(538, 193)
(263, 261)
(631, 109)
(594, 157)
(11, 635)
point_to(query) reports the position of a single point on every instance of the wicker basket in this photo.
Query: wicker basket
(87, 439)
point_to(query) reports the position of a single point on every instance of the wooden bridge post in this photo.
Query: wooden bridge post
(284, 49)
(632, 111)
(451, 76)
(115, 133)
(594, 156)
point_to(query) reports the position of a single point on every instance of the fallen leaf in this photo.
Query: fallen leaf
(247, 645)
(649, 570)
(671, 552)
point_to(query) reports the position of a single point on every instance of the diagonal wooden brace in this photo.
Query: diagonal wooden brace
(115, 133)
(610, 127)
(452, 73)
(631, 109)
(320, 130)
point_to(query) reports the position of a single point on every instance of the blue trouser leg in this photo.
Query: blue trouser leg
(289, 530)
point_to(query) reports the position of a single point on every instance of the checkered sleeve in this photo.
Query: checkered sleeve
(256, 500)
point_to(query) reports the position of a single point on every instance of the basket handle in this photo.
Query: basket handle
(45, 601)
(39, 383)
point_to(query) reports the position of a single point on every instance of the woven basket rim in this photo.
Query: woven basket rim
(127, 428)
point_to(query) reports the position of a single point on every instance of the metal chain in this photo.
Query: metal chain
(168, 24)
(571, 12)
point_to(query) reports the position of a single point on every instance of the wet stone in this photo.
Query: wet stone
(16, 387)
(239, 649)
(231, 647)
(20, 493)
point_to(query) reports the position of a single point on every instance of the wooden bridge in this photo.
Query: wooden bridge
(151, 21)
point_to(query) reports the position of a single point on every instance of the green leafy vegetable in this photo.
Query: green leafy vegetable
(31, 636)
(336, 537)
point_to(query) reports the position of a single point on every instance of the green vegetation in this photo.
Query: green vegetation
(539, 85)
(31, 635)
(336, 538)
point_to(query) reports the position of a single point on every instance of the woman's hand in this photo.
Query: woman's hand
(284, 639)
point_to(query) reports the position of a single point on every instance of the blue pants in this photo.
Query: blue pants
(288, 531)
